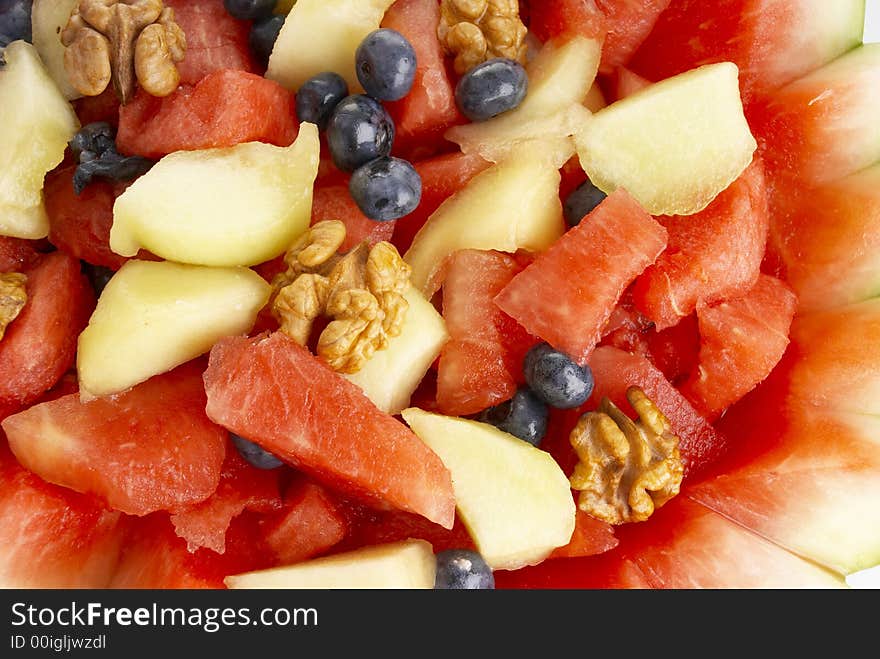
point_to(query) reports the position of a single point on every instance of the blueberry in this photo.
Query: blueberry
(386, 188)
(94, 146)
(254, 453)
(359, 131)
(491, 88)
(524, 416)
(264, 33)
(555, 378)
(250, 10)
(462, 569)
(97, 275)
(319, 96)
(581, 202)
(15, 21)
(386, 65)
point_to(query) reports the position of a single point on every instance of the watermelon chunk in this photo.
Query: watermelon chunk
(214, 39)
(423, 115)
(333, 202)
(590, 537)
(274, 392)
(741, 340)
(567, 295)
(475, 369)
(609, 570)
(39, 346)
(567, 17)
(17, 254)
(151, 448)
(51, 537)
(224, 109)
(621, 82)
(771, 41)
(712, 255)
(629, 22)
(675, 350)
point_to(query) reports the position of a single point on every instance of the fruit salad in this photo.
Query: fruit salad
(443, 294)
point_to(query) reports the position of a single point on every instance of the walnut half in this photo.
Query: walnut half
(474, 31)
(626, 468)
(13, 297)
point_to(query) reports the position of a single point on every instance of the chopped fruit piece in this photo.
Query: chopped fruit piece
(333, 202)
(567, 18)
(524, 416)
(626, 469)
(392, 374)
(48, 18)
(645, 143)
(51, 537)
(713, 255)
(622, 83)
(741, 341)
(385, 63)
(629, 22)
(139, 329)
(513, 498)
(675, 350)
(224, 207)
(409, 564)
(556, 379)
(517, 202)
(591, 536)
(559, 79)
(323, 35)
(34, 131)
(319, 96)
(463, 569)
(359, 130)
(386, 189)
(224, 109)
(16, 254)
(98, 447)
(277, 394)
(491, 88)
(587, 271)
(39, 347)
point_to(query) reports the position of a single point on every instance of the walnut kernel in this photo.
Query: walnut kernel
(13, 297)
(474, 31)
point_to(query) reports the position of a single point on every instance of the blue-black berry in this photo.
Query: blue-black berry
(319, 96)
(491, 88)
(581, 202)
(556, 379)
(94, 147)
(385, 63)
(15, 21)
(386, 188)
(359, 130)
(524, 416)
(264, 33)
(250, 10)
(462, 569)
(254, 453)
(98, 276)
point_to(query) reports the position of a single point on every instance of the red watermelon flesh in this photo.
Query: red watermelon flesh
(224, 109)
(771, 41)
(610, 570)
(711, 256)
(51, 537)
(150, 448)
(39, 345)
(621, 82)
(474, 370)
(567, 17)
(333, 202)
(214, 39)
(423, 115)
(442, 176)
(241, 487)
(567, 295)
(17, 254)
(629, 22)
(823, 126)
(590, 537)
(276, 393)
(829, 239)
(675, 350)
(103, 107)
(741, 341)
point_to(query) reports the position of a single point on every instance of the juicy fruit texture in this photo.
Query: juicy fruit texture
(712, 255)
(771, 41)
(48, 18)
(333, 202)
(821, 127)
(517, 202)
(223, 109)
(602, 255)
(494, 87)
(408, 564)
(214, 39)
(392, 374)
(474, 371)
(827, 241)
(224, 207)
(338, 436)
(51, 537)
(152, 317)
(34, 131)
(149, 449)
(429, 109)
(741, 340)
(567, 17)
(39, 346)
(559, 79)
(646, 143)
(16, 254)
(629, 22)
(513, 498)
(386, 65)
(358, 131)
(323, 35)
